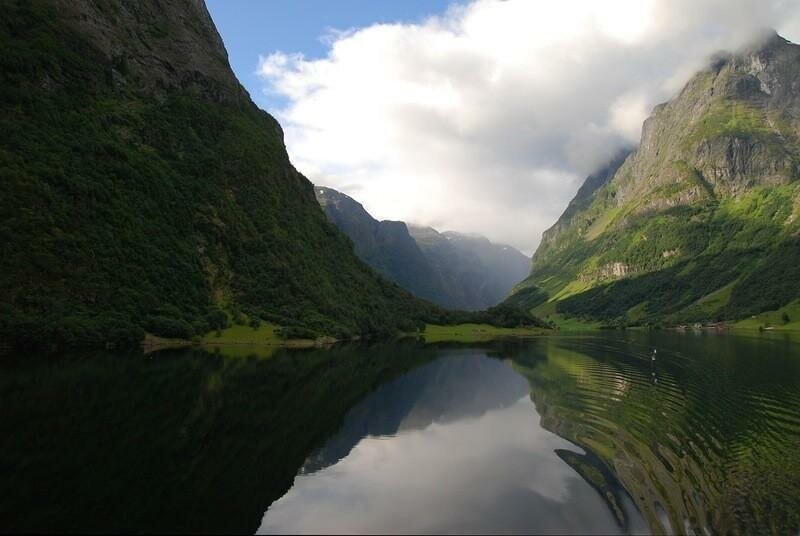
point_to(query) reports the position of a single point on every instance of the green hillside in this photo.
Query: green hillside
(143, 190)
(702, 222)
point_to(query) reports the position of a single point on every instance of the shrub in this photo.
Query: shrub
(164, 326)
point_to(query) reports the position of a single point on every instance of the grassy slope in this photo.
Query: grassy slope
(736, 259)
(547, 311)
(787, 318)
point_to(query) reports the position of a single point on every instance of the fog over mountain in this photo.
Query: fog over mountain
(487, 118)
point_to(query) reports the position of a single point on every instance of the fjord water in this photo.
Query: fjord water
(557, 434)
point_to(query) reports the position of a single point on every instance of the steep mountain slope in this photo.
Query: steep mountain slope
(143, 190)
(504, 265)
(476, 273)
(384, 245)
(450, 269)
(701, 221)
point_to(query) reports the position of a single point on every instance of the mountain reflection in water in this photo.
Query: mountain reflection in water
(556, 434)
(704, 438)
(453, 446)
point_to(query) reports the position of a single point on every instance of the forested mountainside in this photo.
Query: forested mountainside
(143, 190)
(454, 270)
(701, 221)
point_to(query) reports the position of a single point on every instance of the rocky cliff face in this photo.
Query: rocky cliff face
(713, 183)
(156, 46)
(735, 125)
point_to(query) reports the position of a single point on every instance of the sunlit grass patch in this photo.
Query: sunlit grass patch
(786, 318)
(475, 332)
(264, 334)
(547, 312)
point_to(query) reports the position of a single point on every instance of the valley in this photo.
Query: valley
(197, 338)
(453, 270)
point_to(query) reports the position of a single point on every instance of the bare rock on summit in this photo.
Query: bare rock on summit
(157, 45)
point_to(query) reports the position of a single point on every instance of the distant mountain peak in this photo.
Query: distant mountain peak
(327, 195)
(455, 270)
(767, 41)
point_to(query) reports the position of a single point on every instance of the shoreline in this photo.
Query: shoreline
(153, 343)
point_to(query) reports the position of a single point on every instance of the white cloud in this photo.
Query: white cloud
(628, 112)
(486, 118)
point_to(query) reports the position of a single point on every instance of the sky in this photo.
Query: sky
(479, 116)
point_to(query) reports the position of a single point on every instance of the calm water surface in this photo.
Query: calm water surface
(559, 434)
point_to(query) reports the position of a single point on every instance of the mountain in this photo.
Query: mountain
(386, 246)
(453, 270)
(701, 221)
(476, 273)
(143, 190)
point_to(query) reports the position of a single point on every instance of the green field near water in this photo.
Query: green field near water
(266, 333)
(475, 332)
